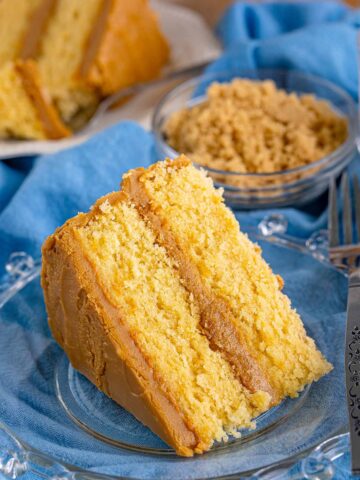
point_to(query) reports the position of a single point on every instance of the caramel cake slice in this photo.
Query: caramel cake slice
(87, 52)
(57, 38)
(26, 111)
(119, 306)
(235, 290)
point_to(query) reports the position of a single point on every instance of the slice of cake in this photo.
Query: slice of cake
(26, 111)
(118, 306)
(192, 222)
(160, 300)
(59, 48)
(86, 52)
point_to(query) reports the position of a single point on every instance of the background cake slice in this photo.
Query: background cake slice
(26, 111)
(83, 52)
(126, 47)
(86, 53)
(118, 306)
(190, 218)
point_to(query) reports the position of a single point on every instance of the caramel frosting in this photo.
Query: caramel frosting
(94, 41)
(32, 39)
(52, 124)
(93, 334)
(217, 320)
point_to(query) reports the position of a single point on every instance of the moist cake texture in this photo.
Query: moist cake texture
(87, 53)
(229, 264)
(60, 51)
(144, 310)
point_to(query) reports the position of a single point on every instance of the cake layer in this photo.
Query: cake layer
(25, 109)
(216, 318)
(191, 213)
(127, 282)
(80, 317)
(59, 52)
(15, 16)
(37, 26)
(85, 53)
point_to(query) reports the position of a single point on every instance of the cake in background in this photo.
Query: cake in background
(83, 50)
(159, 299)
(26, 110)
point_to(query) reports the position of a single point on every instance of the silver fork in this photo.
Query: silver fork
(345, 253)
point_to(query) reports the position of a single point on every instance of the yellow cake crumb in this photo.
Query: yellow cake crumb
(232, 267)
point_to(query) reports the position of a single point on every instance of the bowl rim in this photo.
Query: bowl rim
(332, 159)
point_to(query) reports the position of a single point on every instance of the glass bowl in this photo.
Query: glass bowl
(265, 190)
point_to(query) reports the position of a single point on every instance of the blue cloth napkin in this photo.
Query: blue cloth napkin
(38, 195)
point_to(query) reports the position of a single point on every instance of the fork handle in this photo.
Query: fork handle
(352, 368)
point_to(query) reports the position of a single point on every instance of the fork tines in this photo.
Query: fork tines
(344, 241)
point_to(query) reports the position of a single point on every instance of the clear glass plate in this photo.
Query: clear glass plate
(56, 423)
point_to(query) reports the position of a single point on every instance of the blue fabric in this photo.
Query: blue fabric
(61, 185)
(317, 38)
(38, 195)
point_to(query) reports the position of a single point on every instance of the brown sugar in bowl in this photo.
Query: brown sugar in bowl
(267, 137)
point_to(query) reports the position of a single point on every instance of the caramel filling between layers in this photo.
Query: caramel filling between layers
(95, 38)
(51, 122)
(32, 39)
(217, 320)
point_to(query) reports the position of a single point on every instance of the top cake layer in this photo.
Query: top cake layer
(15, 16)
